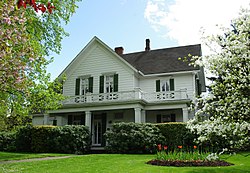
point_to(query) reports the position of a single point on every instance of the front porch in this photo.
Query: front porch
(101, 119)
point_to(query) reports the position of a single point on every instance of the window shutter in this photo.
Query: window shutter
(173, 118)
(104, 124)
(91, 84)
(116, 83)
(101, 86)
(158, 118)
(158, 83)
(82, 119)
(70, 119)
(171, 81)
(77, 87)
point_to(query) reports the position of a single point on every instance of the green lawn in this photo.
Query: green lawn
(119, 163)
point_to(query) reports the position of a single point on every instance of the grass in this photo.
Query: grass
(119, 163)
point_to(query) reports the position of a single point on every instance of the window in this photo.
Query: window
(76, 119)
(108, 83)
(165, 85)
(118, 116)
(84, 85)
(164, 118)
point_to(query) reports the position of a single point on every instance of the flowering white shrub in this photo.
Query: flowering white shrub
(223, 118)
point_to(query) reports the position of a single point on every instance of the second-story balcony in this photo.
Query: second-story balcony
(134, 95)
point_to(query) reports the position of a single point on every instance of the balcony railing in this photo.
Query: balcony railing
(127, 96)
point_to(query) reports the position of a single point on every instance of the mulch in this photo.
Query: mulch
(186, 163)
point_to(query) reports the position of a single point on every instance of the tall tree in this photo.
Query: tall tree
(227, 107)
(30, 31)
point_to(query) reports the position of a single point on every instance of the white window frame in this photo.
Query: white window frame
(84, 86)
(165, 85)
(109, 83)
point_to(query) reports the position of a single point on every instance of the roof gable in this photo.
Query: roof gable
(86, 50)
(163, 60)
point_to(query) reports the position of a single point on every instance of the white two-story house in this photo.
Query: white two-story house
(104, 86)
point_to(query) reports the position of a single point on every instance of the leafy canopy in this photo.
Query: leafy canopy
(28, 35)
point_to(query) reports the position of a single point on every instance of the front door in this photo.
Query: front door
(97, 132)
(98, 129)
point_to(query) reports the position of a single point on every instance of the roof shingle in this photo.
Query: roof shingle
(163, 60)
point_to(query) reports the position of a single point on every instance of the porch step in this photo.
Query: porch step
(97, 150)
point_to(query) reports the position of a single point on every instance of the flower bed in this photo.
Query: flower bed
(182, 163)
(185, 156)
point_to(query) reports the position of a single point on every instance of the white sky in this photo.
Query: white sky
(127, 23)
(183, 20)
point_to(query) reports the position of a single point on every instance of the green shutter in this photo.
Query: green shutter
(77, 87)
(70, 119)
(104, 120)
(171, 81)
(158, 85)
(82, 119)
(91, 84)
(158, 118)
(101, 86)
(173, 118)
(116, 83)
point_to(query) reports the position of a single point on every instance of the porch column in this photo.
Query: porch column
(143, 116)
(46, 119)
(137, 115)
(88, 119)
(185, 114)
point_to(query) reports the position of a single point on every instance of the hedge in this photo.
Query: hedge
(132, 137)
(141, 138)
(54, 139)
(176, 134)
(7, 141)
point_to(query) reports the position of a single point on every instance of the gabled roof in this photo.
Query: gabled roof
(93, 41)
(163, 60)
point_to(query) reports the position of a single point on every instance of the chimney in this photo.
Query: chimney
(147, 48)
(119, 50)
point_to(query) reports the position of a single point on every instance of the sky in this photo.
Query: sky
(128, 23)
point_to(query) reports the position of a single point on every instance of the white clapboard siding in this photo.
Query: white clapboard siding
(96, 63)
(181, 82)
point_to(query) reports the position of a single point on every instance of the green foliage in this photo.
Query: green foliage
(7, 141)
(132, 137)
(226, 108)
(27, 39)
(176, 134)
(23, 139)
(72, 139)
(42, 139)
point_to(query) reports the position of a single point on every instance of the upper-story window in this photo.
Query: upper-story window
(108, 83)
(84, 85)
(165, 85)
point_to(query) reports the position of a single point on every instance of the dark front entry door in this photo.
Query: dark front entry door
(98, 129)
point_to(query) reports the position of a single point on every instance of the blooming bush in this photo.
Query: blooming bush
(227, 107)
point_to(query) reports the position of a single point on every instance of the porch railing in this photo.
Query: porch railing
(127, 96)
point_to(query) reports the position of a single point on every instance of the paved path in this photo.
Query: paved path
(35, 159)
